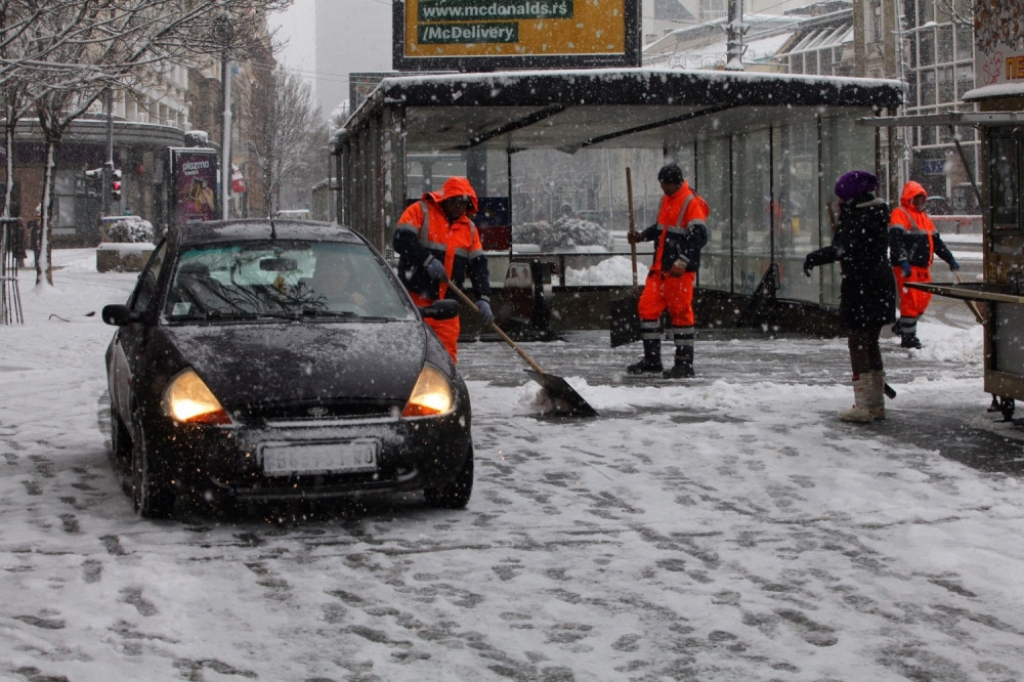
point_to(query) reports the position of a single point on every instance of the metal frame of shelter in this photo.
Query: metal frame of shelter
(763, 149)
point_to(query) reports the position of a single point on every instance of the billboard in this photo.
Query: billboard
(999, 53)
(193, 185)
(484, 35)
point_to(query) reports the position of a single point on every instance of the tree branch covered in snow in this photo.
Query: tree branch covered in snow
(287, 132)
(65, 54)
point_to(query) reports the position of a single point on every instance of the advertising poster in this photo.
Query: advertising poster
(194, 185)
(511, 33)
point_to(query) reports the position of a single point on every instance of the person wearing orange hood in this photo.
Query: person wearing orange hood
(436, 241)
(913, 245)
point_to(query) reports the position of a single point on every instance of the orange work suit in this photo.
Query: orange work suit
(681, 232)
(914, 239)
(424, 233)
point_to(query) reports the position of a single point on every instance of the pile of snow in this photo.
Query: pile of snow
(614, 271)
(564, 233)
(129, 229)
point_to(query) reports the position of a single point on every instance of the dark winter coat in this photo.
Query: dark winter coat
(867, 294)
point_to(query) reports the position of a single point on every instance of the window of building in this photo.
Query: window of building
(926, 47)
(925, 11)
(811, 62)
(947, 89)
(945, 43)
(964, 79)
(927, 87)
(964, 42)
(927, 135)
(825, 62)
(911, 89)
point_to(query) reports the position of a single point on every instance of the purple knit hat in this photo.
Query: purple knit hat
(853, 184)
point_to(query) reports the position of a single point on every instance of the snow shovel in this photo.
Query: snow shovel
(624, 312)
(563, 396)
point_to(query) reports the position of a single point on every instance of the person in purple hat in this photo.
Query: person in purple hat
(867, 292)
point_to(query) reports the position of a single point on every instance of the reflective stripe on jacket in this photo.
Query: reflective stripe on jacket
(681, 230)
(912, 234)
(423, 233)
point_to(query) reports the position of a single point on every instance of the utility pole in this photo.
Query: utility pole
(735, 29)
(108, 166)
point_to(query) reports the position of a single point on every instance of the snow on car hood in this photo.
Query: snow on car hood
(253, 363)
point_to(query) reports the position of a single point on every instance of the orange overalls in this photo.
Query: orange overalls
(681, 233)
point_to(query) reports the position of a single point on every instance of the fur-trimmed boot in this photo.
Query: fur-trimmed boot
(652, 358)
(876, 396)
(865, 407)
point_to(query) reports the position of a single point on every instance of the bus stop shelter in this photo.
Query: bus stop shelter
(763, 149)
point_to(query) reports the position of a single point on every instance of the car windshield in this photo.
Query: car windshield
(282, 279)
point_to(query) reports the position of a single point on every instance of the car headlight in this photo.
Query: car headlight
(187, 399)
(431, 396)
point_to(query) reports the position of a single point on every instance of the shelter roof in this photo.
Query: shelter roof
(569, 110)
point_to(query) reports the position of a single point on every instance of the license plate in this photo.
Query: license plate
(320, 458)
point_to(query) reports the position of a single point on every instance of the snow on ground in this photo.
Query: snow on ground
(727, 528)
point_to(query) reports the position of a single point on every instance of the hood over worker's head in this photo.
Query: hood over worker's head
(457, 196)
(914, 196)
(851, 185)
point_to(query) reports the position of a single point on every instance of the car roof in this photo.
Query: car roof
(262, 228)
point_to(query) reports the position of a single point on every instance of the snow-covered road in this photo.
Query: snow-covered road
(728, 528)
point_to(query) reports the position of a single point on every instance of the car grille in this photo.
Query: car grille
(309, 411)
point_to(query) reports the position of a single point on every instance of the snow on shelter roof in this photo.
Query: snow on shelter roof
(571, 109)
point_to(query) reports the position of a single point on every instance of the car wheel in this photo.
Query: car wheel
(151, 499)
(120, 441)
(456, 493)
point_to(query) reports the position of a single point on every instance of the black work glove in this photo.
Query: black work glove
(808, 266)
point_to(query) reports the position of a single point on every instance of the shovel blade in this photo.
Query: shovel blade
(625, 321)
(564, 396)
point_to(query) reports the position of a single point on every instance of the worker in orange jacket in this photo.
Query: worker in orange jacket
(913, 244)
(681, 232)
(436, 241)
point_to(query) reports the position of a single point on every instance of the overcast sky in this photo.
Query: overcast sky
(362, 40)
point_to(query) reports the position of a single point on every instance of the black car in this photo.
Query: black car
(277, 359)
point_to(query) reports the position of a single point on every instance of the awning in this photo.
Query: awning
(949, 118)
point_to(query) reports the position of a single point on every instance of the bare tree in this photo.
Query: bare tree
(78, 49)
(287, 134)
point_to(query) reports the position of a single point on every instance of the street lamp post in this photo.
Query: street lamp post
(225, 141)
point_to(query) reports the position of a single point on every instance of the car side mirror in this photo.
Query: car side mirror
(119, 315)
(445, 309)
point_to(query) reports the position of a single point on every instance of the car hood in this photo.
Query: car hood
(303, 361)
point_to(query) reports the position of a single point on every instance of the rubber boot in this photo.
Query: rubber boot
(909, 341)
(860, 413)
(652, 358)
(683, 369)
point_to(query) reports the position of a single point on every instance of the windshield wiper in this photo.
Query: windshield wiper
(320, 312)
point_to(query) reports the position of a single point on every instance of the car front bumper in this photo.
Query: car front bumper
(411, 454)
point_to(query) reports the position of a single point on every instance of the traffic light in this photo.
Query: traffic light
(94, 182)
(115, 184)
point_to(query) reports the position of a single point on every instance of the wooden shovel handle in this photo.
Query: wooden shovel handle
(632, 227)
(497, 330)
